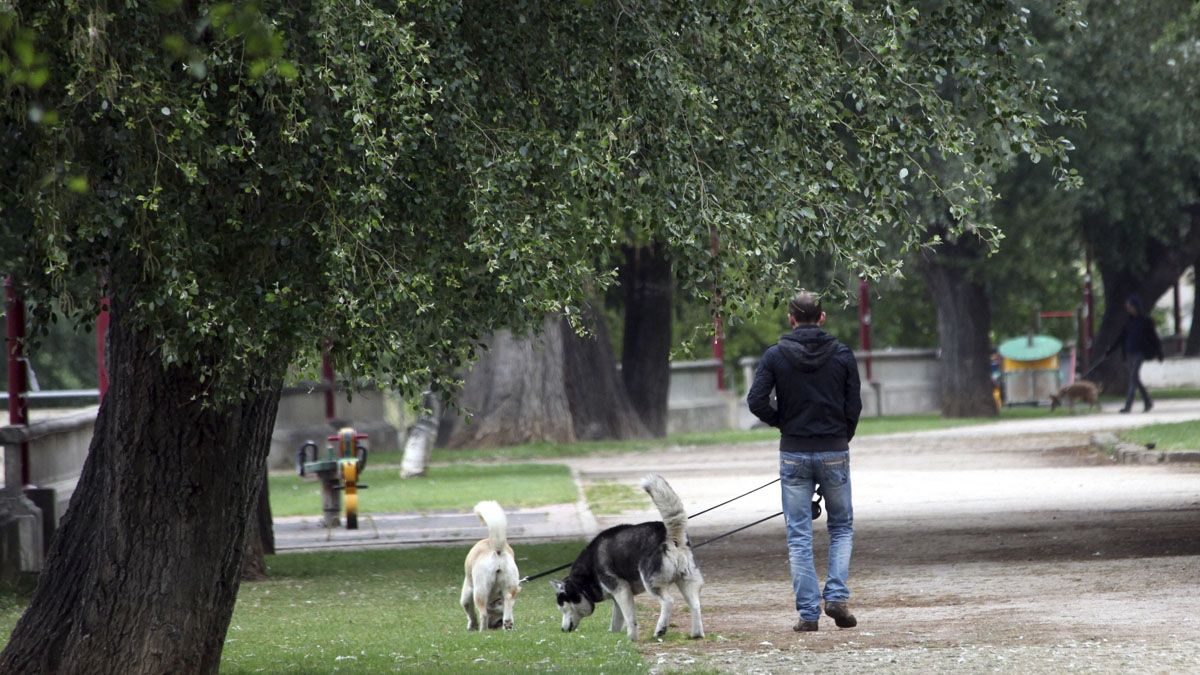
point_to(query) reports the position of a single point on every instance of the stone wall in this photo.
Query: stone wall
(903, 382)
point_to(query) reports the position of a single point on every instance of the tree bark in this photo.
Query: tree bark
(646, 344)
(421, 437)
(964, 319)
(600, 408)
(260, 536)
(1165, 263)
(144, 571)
(515, 393)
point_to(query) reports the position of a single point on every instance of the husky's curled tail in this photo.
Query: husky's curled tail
(674, 516)
(493, 516)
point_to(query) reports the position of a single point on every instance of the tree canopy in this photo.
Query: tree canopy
(398, 178)
(248, 182)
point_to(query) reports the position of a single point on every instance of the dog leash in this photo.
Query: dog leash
(539, 575)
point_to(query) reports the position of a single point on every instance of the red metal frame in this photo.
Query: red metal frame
(864, 323)
(718, 347)
(18, 381)
(330, 388)
(102, 320)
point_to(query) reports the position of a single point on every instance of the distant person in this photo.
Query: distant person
(1138, 341)
(815, 379)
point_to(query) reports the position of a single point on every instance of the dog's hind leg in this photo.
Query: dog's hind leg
(665, 603)
(618, 621)
(467, 600)
(510, 598)
(690, 588)
(481, 606)
(623, 596)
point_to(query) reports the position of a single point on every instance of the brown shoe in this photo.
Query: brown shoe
(840, 613)
(803, 626)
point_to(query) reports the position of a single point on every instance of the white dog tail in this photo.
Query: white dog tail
(497, 523)
(673, 514)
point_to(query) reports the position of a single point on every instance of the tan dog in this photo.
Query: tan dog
(491, 582)
(1080, 390)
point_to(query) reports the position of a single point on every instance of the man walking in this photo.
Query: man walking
(1138, 342)
(815, 379)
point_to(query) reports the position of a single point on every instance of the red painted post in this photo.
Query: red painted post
(102, 320)
(864, 323)
(18, 407)
(718, 349)
(330, 390)
(1089, 311)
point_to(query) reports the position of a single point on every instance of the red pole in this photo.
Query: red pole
(330, 391)
(18, 407)
(718, 348)
(864, 323)
(1088, 310)
(102, 320)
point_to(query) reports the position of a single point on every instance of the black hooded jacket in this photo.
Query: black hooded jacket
(816, 385)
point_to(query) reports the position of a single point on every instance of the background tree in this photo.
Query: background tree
(1134, 72)
(816, 149)
(249, 182)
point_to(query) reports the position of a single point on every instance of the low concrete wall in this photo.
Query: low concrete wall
(302, 418)
(58, 447)
(1174, 373)
(29, 515)
(694, 403)
(904, 382)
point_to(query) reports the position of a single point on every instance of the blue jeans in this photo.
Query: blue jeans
(799, 473)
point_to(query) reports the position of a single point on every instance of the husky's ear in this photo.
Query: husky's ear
(557, 585)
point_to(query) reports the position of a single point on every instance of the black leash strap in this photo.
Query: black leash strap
(539, 575)
(733, 500)
(706, 542)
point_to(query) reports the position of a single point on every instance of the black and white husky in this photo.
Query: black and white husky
(625, 560)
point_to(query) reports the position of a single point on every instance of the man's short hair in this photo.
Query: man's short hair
(805, 307)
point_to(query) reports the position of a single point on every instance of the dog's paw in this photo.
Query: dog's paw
(508, 624)
(660, 633)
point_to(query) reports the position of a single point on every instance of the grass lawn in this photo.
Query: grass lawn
(397, 611)
(866, 427)
(1178, 436)
(455, 487)
(609, 498)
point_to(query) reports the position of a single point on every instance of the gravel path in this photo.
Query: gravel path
(1007, 550)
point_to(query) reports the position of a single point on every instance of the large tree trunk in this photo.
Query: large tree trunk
(260, 536)
(646, 345)
(419, 444)
(1163, 262)
(554, 386)
(144, 571)
(600, 408)
(964, 319)
(515, 393)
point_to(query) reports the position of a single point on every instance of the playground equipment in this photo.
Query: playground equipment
(338, 472)
(1030, 368)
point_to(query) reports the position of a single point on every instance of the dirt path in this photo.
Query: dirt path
(1025, 553)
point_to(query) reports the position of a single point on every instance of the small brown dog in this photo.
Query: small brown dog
(491, 581)
(1080, 390)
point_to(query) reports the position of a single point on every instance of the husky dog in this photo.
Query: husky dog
(625, 560)
(1080, 390)
(491, 583)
